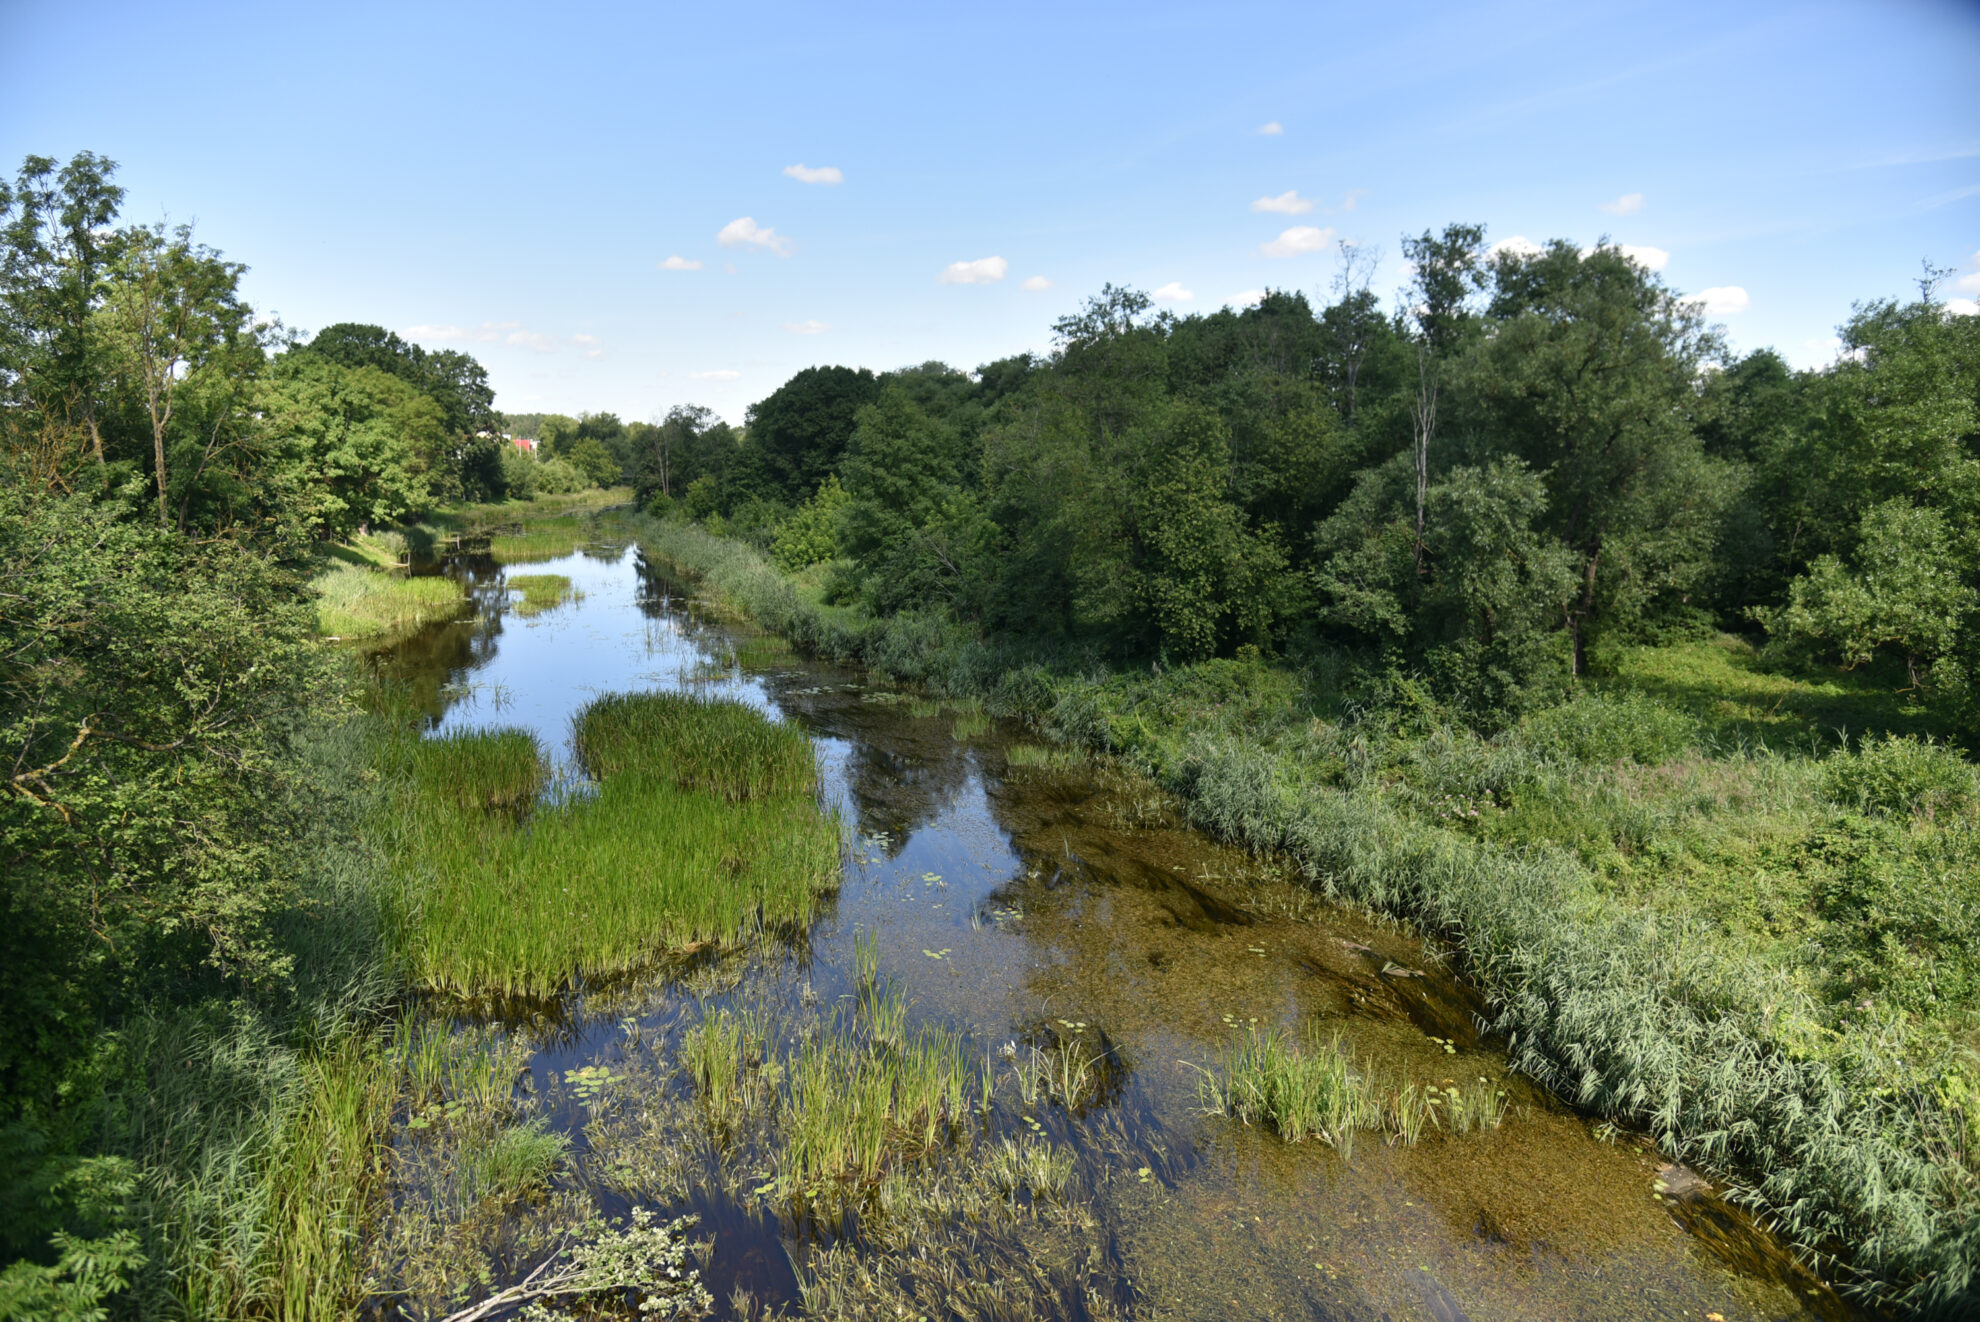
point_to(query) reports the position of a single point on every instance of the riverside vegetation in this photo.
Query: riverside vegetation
(1650, 700)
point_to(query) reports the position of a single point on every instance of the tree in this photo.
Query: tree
(1449, 272)
(357, 445)
(55, 251)
(177, 331)
(1905, 591)
(1589, 375)
(800, 431)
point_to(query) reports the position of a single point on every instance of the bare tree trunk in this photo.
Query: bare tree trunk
(1423, 413)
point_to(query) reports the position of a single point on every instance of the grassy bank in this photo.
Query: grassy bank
(703, 824)
(356, 602)
(1693, 906)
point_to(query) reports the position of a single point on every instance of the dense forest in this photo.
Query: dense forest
(1542, 455)
(1461, 509)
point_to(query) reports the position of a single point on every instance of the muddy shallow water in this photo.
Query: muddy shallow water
(1009, 899)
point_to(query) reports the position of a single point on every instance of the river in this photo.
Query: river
(1023, 902)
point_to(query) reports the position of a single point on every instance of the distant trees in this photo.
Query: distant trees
(1537, 455)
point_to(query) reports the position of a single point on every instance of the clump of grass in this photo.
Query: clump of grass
(540, 539)
(924, 708)
(853, 1106)
(1901, 775)
(354, 602)
(700, 744)
(1041, 758)
(540, 592)
(968, 727)
(1042, 1169)
(866, 961)
(1464, 1106)
(765, 652)
(1302, 1091)
(486, 771)
(1066, 1072)
(705, 830)
(516, 1161)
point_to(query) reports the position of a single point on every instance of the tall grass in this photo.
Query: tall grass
(355, 602)
(704, 826)
(1829, 1123)
(695, 743)
(540, 592)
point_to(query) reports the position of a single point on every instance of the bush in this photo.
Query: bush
(1900, 774)
(1600, 729)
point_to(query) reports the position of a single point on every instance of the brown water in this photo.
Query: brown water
(1008, 900)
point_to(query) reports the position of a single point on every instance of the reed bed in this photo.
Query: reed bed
(542, 539)
(698, 744)
(355, 602)
(1038, 757)
(703, 832)
(540, 592)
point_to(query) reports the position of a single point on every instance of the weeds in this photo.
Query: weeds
(699, 744)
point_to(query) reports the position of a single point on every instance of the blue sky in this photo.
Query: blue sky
(512, 179)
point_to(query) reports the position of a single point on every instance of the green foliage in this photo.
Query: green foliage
(1900, 775)
(811, 536)
(152, 825)
(1906, 591)
(1904, 911)
(800, 430)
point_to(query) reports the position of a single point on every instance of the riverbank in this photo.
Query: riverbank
(1677, 927)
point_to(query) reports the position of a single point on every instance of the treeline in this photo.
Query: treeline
(1541, 456)
(133, 370)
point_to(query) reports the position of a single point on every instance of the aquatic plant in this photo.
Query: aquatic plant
(1303, 1090)
(704, 827)
(540, 592)
(355, 602)
(697, 743)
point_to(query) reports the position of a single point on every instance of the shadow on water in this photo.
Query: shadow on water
(1067, 908)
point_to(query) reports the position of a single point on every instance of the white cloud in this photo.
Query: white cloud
(590, 344)
(1173, 292)
(744, 232)
(1272, 130)
(1968, 284)
(1721, 300)
(1247, 298)
(1035, 284)
(680, 264)
(820, 174)
(1650, 259)
(488, 332)
(1626, 205)
(1516, 244)
(1297, 240)
(586, 339)
(1353, 198)
(1288, 203)
(1963, 307)
(722, 374)
(982, 271)
(806, 327)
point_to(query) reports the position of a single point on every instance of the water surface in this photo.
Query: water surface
(1008, 900)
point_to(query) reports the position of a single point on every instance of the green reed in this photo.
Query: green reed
(703, 832)
(540, 592)
(355, 602)
(706, 745)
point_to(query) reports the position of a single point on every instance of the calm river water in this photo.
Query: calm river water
(1005, 898)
